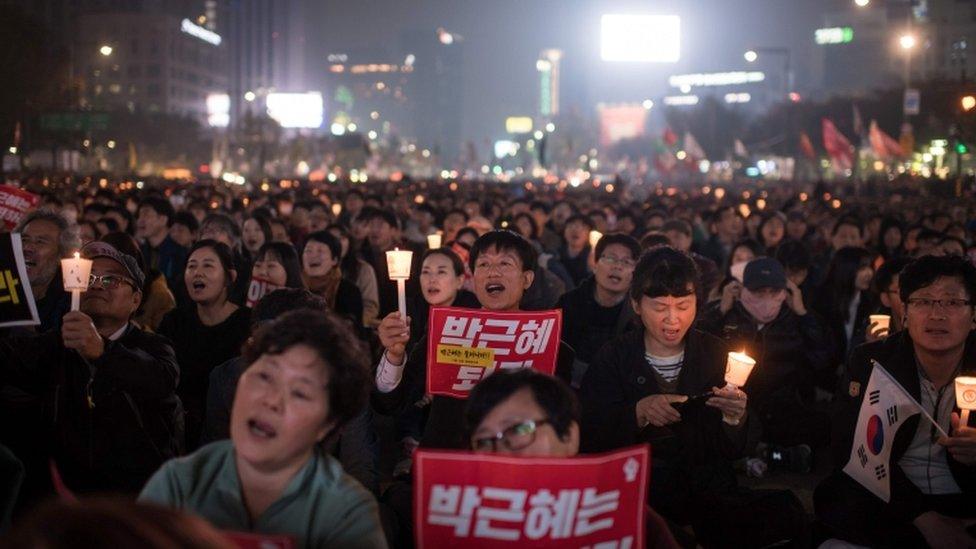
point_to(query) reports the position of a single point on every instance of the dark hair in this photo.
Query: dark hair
(161, 206)
(110, 224)
(284, 300)
(766, 219)
(224, 223)
(504, 241)
(580, 218)
(285, 254)
(794, 255)
(465, 230)
(848, 220)
(369, 213)
(187, 220)
(887, 273)
(262, 222)
(533, 227)
(125, 214)
(329, 239)
(457, 211)
(540, 205)
(841, 275)
(887, 224)
(551, 394)
(349, 264)
(621, 239)
(924, 271)
(112, 522)
(664, 271)
(333, 340)
(223, 253)
(450, 255)
(679, 225)
(654, 239)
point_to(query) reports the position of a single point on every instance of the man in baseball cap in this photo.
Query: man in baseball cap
(111, 384)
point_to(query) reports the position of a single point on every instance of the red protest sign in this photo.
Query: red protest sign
(248, 540)
(14, 205)
(259, 288)
(465, 345)
(489, 500)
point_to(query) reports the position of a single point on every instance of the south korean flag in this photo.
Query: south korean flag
(885, 407)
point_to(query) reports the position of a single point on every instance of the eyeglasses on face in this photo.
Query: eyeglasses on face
(925, 304)
(513, 438)
(614, 261)
(108, 282)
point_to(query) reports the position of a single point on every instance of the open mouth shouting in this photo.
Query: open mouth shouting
(197, 286)
(494, 289)
(261, 429)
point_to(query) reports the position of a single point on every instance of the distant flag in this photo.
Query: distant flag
(838, 147)
(806, 147)
(670, 138)
(740, 149)
(885, 407)
(885, 147)
(693, 149)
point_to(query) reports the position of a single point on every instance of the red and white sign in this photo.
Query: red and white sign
(14, 205)
(247, 540)
(465, 345)
(621, 122)
(487, 500)
(259, 288)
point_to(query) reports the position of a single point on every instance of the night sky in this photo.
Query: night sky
(502, 40)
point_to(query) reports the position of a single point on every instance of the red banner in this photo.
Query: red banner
(488, 500)
(247, 540)
(465, 345)
(14, 205)
(259, 288)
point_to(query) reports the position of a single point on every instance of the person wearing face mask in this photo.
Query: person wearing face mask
(765, 317)
(208, 332)
(320, 268)
(639, 389)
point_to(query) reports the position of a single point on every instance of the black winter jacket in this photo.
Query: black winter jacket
(132, 423)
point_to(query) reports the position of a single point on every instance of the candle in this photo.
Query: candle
(75, 272)
(965, 397)
(737, 369)
(434, 240)
(881, 321)
(336, 209)
(595, 237)
(398, 264)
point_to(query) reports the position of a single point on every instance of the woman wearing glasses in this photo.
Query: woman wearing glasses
(208, 332)
(932, 478)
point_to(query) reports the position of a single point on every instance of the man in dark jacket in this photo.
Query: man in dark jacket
(932, 478)
(664, 384)
(598, 310)
(765, 316)
(104, 389)
(160, 251)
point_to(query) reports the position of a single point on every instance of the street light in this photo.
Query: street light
(105, 50)
(862, 3)
(968, 103)
(250, 96)
(751, 56)
(907, 41)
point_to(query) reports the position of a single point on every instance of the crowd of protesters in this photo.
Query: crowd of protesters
(168, 388)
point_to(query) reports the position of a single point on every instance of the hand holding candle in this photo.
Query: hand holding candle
(398, 264)
(965, 397)
(737, 369)
(881, 324)
(75, 271)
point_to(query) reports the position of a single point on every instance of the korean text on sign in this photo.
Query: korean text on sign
(465, 345)
(492, 501)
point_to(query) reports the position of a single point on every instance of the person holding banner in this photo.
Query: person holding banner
(47, 237)
(527, 413)
(923, 492)
(104, 387)
(307, 378)
(664, 384)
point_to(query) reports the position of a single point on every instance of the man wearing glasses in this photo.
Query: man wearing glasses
(933, 478)
(104, 388)
(527, 413)
(597, 310)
